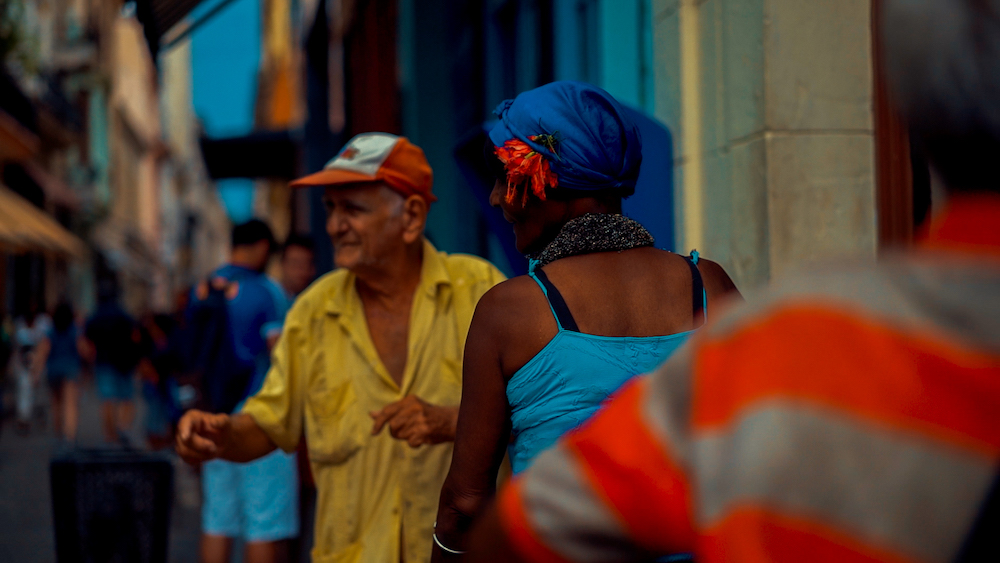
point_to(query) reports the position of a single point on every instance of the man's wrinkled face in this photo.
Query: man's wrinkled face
(365, 223)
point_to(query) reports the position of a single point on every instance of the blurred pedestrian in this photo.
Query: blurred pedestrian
(115, 347)
(6, 353)
(381, 336)
(849, 415)
(30, 330)
(61, 350)
(298, 264)
(599, 306)
(256, 500)
(298, 270)
(160, 368)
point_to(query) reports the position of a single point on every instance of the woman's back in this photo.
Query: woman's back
(566, 155)
(611, 316)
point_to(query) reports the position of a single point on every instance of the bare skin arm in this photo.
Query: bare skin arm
(718, 284)
(488, 540)
(203, 436)
(483, 425)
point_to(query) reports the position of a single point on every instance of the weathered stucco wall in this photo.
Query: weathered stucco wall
(785, 165)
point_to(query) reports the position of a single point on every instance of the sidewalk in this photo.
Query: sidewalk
(26, 531)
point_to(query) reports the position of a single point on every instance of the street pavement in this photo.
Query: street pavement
(26, 529)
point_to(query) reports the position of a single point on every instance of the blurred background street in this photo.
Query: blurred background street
(26, 502)
(134, 135)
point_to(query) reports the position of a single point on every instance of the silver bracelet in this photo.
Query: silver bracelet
(448, 549)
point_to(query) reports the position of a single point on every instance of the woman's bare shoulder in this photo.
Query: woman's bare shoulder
(514, 319)
(516, 296)
(717, 281)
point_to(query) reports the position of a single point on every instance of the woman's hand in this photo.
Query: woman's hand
(417, 422)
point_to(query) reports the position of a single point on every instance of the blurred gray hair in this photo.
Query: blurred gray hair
(395, 200)
(943, 64)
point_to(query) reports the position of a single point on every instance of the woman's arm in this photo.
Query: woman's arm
(718, 285)
(483, 424)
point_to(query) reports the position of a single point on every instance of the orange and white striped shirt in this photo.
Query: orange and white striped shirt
(849, 416)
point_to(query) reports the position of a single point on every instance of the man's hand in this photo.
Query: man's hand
(202, 436)
(417, 422)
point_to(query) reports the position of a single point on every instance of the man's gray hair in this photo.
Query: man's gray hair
(396, 200)
(943, 63)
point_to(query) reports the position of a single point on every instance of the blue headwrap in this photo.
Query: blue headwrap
(598, 146)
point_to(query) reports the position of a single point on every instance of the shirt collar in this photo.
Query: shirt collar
(970, 223)
(433, 275)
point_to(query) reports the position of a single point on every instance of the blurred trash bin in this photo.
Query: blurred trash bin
(111, 506)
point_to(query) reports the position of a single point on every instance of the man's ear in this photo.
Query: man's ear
(414, 218)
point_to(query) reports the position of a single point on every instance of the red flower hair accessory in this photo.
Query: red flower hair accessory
(524, 165)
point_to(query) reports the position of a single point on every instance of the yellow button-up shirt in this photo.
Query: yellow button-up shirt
(325, 379)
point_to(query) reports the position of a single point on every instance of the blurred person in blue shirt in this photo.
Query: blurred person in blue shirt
(255, 501)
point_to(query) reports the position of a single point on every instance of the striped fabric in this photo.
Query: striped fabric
(852, 415)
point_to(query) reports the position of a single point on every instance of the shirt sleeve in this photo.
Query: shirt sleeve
(278, 407)
(614, 489)
(487, 278)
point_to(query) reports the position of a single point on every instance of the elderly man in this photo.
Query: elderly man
(848, 416)
(382, 337)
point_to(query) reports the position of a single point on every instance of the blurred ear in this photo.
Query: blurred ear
(414, 218)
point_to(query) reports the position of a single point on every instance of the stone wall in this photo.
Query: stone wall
(770, 102)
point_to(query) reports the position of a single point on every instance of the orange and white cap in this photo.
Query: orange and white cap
(377, 157)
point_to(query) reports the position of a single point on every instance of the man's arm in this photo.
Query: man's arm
(203, 436)
(417, 422)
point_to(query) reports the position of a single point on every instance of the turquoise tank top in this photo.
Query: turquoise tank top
(568, 380)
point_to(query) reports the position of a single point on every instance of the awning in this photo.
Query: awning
(16, 141)
(26, 228)
(159, 16)
(56, 191)
(263, 154)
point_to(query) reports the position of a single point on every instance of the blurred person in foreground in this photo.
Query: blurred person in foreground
(599, 306)
(850, 415)
(381, 337)
(61, 351)
(115, 348)
(256, 501)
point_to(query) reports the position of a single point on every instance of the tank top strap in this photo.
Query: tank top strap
(564, 319)
(699, 297)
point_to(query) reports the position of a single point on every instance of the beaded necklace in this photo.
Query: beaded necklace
(593, 232)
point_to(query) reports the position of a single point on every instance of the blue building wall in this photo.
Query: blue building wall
(225, 54)
(460, 59)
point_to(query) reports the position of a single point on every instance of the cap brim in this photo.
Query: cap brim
(332, 177)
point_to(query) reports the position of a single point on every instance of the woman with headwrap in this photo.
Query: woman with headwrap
(599, 306)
